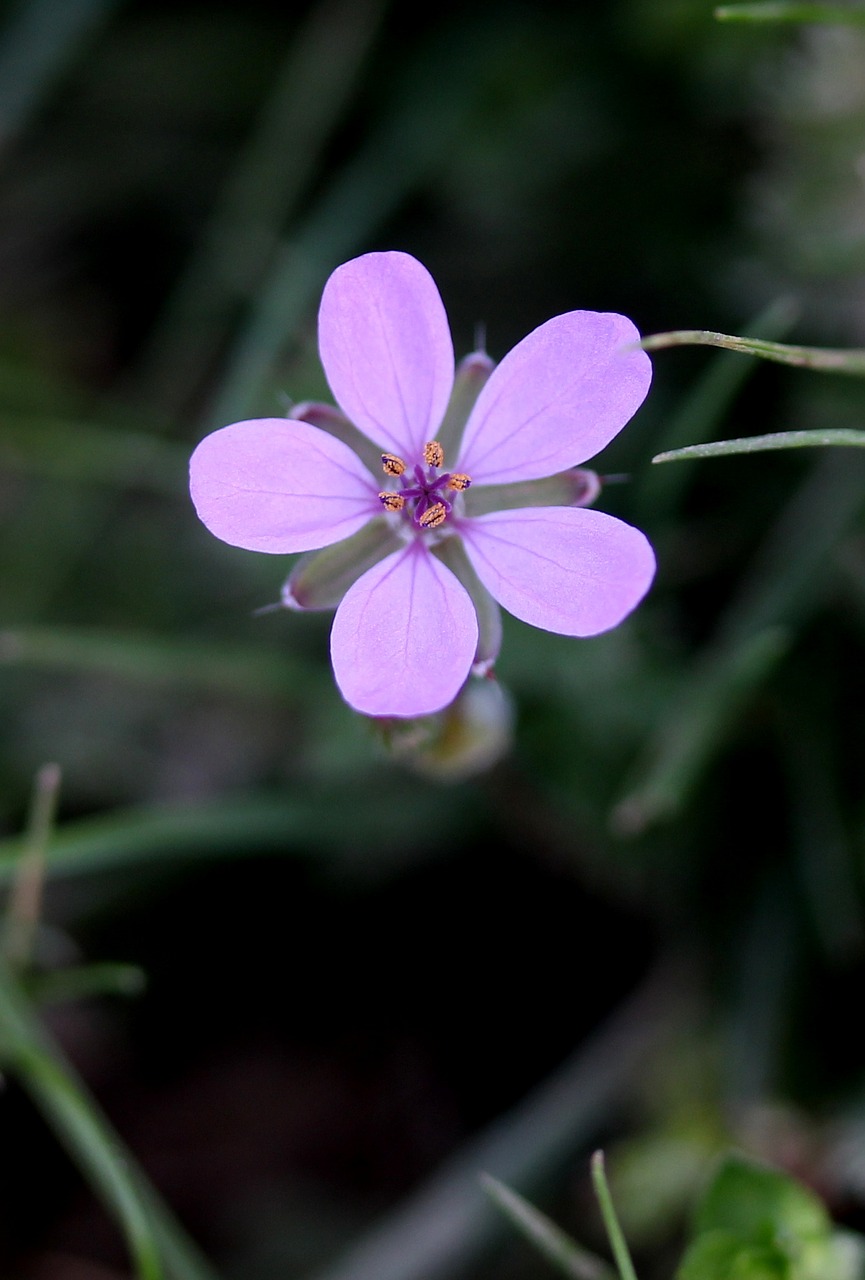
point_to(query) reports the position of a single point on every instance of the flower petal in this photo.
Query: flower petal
(273, 484)
(565, 569)
(404, 637)
(556, 399)
(386, 349)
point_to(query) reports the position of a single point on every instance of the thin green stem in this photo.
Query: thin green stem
(556, 1245)
(25, 897)
(618, 1244)
(158, 1245)
(780, 12)
(27, 1053)
(826, 359)
(761, 444)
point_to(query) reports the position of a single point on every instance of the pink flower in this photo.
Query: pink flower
(416, 555)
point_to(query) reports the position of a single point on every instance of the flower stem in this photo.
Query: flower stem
(827, 359)
(812, 438)
(621, 1253)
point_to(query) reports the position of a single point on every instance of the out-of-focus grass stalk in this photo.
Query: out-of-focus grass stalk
(25, 896)
(780, 12)
(826, 359)
(446, 1225)
(782, 588)
(826, 860)
(677, 754)
(556, 1245)
(152, 1235)
(157, 1244)
(37, 44)
(317, 80)
(245, 670)
(86, 453)
(762, 444)
(618, 1244)
(429, 104)
(24, 1053)
(308, 820)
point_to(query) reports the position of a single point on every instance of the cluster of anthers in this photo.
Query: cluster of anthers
(428, 499)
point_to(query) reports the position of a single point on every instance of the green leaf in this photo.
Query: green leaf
(758, 1204)
(721, 1255)
(841, 1257)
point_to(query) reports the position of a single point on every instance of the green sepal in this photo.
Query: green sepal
(575, 487)
(320, 579)
(452, 553)
(471, 375)
(335, 423)
(463, 740)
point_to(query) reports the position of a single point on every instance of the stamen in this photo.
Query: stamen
(433, 454)
(459, 481)
(433, 516)
(392, 465)
(391, 501)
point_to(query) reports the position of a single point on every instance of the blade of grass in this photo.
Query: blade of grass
(555, 1245)
(760, 444)
(86, 453)
(317, 80)
(826, 359)
(783, 587)
(709, 702)
(430, 104)
(771, 11)
(309, 820)
(60, 986)
(246, 670)
(152, 1236)
(701, 412)
(25, 897)
(618, 1244)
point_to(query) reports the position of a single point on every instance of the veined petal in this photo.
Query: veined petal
(567, 569)
(556, 399)
(404, 637)
(386, 349)
(273, 484)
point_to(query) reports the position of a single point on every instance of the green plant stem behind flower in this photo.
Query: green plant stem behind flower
(152, 1235)
(780, 12)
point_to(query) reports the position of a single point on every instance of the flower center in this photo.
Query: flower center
(426, 493)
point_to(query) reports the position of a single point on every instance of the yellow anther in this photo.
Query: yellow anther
(391, 501)
(459, 481)
(433, 454)
(392, 465)
(433, 516)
